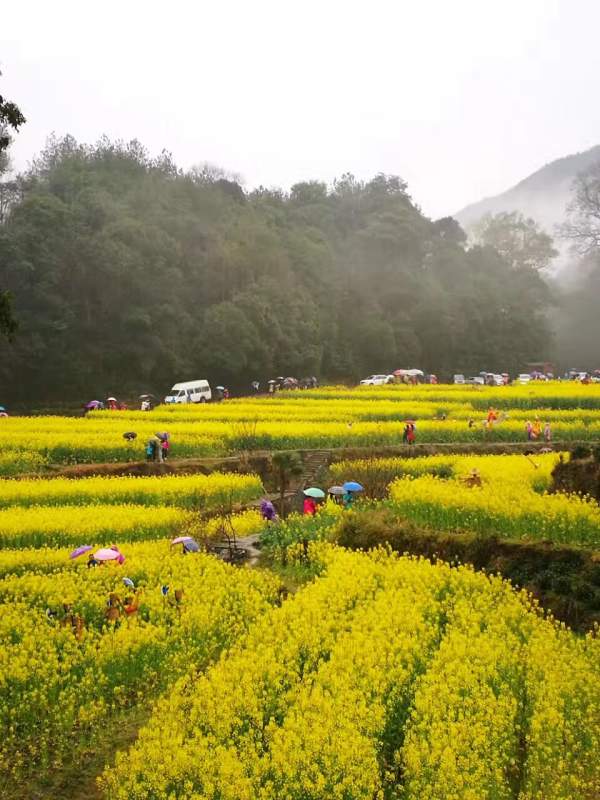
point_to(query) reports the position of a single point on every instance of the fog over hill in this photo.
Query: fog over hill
(544, 196)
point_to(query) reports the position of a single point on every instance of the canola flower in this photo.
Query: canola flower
(511, 510)
(196, 492)
(60, 526)
(387, 677)
(57, 688)
(329, 417)
(376, 474)
(45, 559)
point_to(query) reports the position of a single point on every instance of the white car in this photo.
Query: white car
(476, 380)
(377, 380)
(523, 378)
(459, 379)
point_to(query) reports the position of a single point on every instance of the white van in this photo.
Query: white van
(189, 392)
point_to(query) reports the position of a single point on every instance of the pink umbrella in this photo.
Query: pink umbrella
(79, 551)
(108, 554)
(181, 539)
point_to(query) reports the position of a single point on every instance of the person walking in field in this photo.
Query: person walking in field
(405, 434)
(309, 507)
(536, 429)
(547, 433)
(529, 430)
(165, 445)
(492, 416)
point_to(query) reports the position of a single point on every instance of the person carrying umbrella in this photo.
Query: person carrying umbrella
(267, 510)
(351, 488)
(309, 506)
(311, 495)
(336, 493)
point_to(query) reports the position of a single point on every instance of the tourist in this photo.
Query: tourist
(309, 506)
(165, 445)
(492, 416)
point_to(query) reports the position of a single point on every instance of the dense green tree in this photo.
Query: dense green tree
(519, 240)
(10, 117)
(129, 274)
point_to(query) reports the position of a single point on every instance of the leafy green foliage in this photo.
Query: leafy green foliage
(128, 274)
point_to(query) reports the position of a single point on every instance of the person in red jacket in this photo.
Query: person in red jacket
(309, 506)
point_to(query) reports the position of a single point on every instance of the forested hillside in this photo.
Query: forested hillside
(128, 274)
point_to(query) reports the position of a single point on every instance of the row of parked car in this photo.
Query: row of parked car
(416, 375)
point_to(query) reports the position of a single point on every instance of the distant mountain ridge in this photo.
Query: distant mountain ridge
(543, 195)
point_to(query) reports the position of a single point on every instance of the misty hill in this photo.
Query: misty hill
(128, 273)
(544, 195)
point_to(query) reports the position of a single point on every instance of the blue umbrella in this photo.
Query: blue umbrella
(2, 408)
(128, 582)
(353, 486)
(191, 546)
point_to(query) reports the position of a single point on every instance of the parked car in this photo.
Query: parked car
(189, 392)
(476, 380)
(523, 378)
(459, 379)
(377, 380)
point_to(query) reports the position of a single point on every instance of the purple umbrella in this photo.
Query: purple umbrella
(93, 404)
(267, 509)
(79, 551)
(181, 540)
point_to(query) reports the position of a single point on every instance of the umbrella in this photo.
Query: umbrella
(353, 486)
(272, 381)
(145, 396)
(267, 509)
(130, 436)
(93, 404)
(281, 378)
(2, 408)
(317, 494)
(220, 388)
(111, 399)
(128, 582)
(339, 490)
(398, 372)
(79, 551)
(162, 436)
(107, 554)
(191, 547)
(181, 540)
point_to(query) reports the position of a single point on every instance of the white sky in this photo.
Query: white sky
(462, 98)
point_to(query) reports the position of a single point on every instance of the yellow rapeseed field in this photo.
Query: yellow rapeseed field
(385, 678)
(328, 417)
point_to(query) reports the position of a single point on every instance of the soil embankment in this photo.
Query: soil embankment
(580, 475)
(565, 580)
(259, 461)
